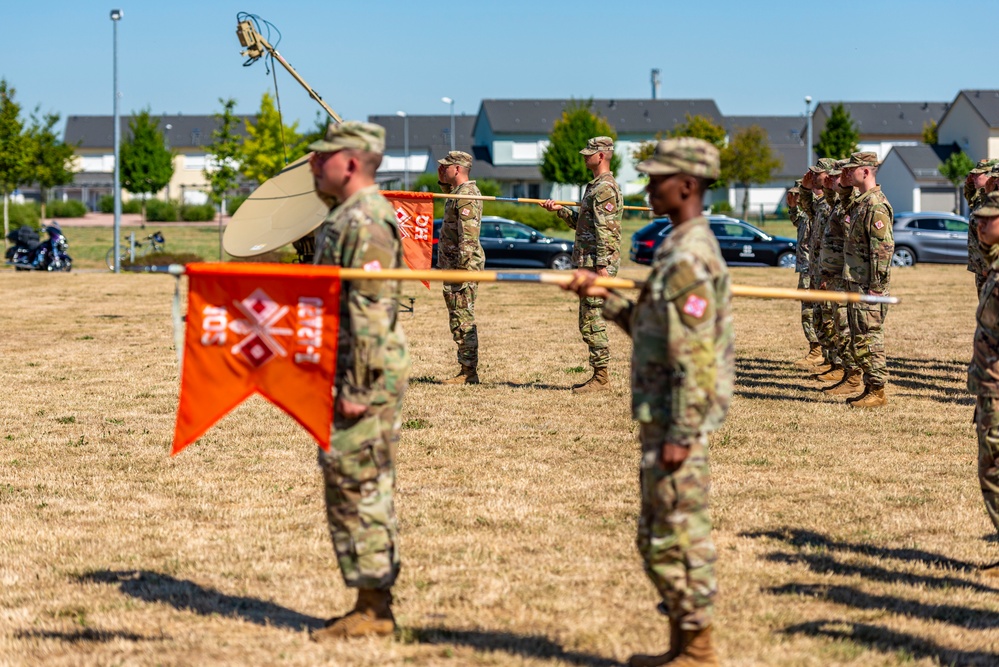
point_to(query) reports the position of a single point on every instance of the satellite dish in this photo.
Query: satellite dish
(282, 210)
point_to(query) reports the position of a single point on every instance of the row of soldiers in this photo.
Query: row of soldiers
(845, 243)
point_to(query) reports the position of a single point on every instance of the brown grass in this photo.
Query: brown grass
(845, 537)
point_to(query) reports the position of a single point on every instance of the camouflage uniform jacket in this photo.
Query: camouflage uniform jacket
(804, 227)
(822, 209)
(361, 233)
(597, 224)
(831, 255)
(459, 246)
(870, 241)
(977, 263)
(683, 357)
(983, 371)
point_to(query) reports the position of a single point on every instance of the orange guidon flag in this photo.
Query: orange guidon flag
(264, 328)
(414, 215)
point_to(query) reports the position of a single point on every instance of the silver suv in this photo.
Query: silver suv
(930, 236)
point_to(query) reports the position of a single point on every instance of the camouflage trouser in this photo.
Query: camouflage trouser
(594, 330)
(867, 337)
(359, 476)
(822, 323)
(836, 325)
(460, 300)
(807, 317)
(987, 425)
(674, 530)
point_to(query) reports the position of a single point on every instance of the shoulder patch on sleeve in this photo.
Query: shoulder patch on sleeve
(881, 223)
(695, 306)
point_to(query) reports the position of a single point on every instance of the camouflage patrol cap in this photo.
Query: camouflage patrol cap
(794, 190)
(598, 145)
(837, 168)
(863, 159)
(459, 158)
(984, 166)
(683, 155)
(351, 134)
(989, 208)
(823, 165)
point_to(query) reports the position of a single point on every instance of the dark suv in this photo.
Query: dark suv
(741, 243)
(511, 244)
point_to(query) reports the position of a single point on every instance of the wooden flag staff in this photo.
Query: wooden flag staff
(401, 194)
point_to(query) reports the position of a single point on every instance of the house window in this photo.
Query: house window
(534, 190)
(194, 162)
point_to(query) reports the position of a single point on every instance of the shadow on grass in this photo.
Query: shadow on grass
(188, 596)
(525, 646)
(887, 641)
(963, 617)
(88, 635)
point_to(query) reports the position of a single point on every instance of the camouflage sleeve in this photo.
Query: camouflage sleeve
(568, 215)
(371, 308)
(618, 309)
(607, 217)
(792, 214)
(879, 222)
(470, 216)
(690, 304)
(831, 254)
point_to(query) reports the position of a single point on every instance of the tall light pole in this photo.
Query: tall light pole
(116, 15)
(808, 114)
(405, 143)
(448, 100)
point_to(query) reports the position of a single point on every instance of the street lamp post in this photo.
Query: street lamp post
(116, 15)
(808, 114)
(405, 143)
(448, 100)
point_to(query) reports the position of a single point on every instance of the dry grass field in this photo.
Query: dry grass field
(844, 537)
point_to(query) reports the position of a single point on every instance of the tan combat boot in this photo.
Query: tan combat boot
(697, 650)
(834, 374)
(371, 616)
(675, 639)
(873, 397)
(813, 358)
(851, 384)
(467, 375)
(598, 382)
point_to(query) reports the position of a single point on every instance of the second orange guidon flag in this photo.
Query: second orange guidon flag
(259, 328)
(414, 215)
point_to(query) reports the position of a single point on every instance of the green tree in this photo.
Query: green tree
(52, 160)
(15, 149)
(931, 133)
(562, 162)
(955, 169)
(226, 150)
(270, 145)
(697, 126)
(840, 136)
(146, 162)
(748, 159)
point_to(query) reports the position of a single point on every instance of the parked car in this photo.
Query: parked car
(930, 237)
(511, 244)
(741, 243)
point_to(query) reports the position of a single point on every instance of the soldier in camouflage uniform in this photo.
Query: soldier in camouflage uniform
(598, 247)
(984, 368)
(459, 248)
(974, 193)
(682, 374)
(822, 207)
(867, 252)
(372, 373)
(799, 211)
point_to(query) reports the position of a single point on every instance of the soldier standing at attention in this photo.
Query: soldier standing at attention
(459, 248)
(867, 254)
(682, 373)
(821, 210)
(984, 368)
(372, 373)
(598, 248)
(800, 215)
(974, 192)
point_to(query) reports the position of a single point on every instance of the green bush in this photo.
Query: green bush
(106, 205)
(197, 212)
(23, 214)
(66, 209)
(721, 207)
(163, 259)
(161, 211)
(232, 205)
(529, 214)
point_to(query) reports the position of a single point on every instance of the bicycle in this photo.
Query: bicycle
(151, 244)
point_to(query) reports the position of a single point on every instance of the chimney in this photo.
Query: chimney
(656, 82)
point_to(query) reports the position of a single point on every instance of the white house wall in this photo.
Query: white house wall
(766, 196)
(962, 125)
(897, 183)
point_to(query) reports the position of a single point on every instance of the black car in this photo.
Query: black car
(511, 244)
(741, 243)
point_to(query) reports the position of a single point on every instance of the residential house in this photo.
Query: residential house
(972, 122)
(787, 143)
(910, 178)
(883, 125)
(422, 140)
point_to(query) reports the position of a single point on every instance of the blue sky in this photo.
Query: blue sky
(380, 57)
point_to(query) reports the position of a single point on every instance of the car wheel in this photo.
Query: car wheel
(787, 260)
(561, 262)
(903, 256)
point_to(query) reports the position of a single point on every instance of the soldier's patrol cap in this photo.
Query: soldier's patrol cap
(837, 168)
(989, 208)
(459, 158)
(823, 165)
(683, 155)
(794, 190)
(351, 134)
(984, 166)
(863, 159)
(598, 145)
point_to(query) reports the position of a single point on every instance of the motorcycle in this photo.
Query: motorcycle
(29, 253)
